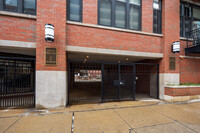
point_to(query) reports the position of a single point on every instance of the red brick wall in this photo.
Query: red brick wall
(183, 45)
(17, 29)
(90, 11)
(189, 68)
(147, 15)
(182, 91)
(190, 71)
(109, 39)
(54, 13)
(170, 30)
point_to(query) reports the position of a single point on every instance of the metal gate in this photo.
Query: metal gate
(17, 82)
(101, 82)
(147, 79)
(118, 82)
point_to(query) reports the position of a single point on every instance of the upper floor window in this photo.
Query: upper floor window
(19, 6)
(120, 13)
(74, 10)
(157, 16)
(29, 6)
(189, 18)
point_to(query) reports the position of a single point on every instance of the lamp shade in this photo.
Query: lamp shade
(49, 32)
(176, 47)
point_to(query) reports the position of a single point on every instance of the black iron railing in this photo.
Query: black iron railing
(193, 38)
(17, 82)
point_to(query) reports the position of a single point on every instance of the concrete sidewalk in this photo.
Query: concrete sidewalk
(113, 117)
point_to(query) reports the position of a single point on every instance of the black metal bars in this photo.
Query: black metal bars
(103, 81)
(17, 82)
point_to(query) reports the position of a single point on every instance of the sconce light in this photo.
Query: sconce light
(176, 47)
(49, 32)
(181, 58)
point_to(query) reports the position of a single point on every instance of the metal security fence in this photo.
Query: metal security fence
(147, 79)
(118, 82)
(85, 81)
(101, 81)
(17, 82)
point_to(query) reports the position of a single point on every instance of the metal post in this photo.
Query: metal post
(157, 81)
(119, 89)
(102, 82)
(68, 82)
(34, 81)
(133, 81)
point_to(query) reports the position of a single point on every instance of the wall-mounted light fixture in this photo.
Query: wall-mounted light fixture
(49, 32)
(176, 47)
(181, 58)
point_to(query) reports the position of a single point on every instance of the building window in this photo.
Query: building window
(19, 6)
(29, 6)
(105, 12)
(74, 10)
(196, 18)
(157, 16)
(120, 13)
(124, 14)
(10, 5)
(189, 18)
(135, 15)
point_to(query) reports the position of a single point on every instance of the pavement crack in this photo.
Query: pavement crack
(131, 128)
(12, 125)
(113, 108)
(155, 125)
(72, 127)
(187, 127)
(174, 120)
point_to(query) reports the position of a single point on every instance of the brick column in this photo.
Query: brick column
(147, 15)
(51, 80)
(171, 33)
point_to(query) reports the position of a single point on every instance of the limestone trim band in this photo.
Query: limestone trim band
(20, 44)
(113, 28)
(13, 14)
(183, 86)
(113, 52)
(181, 98)
(189, 57)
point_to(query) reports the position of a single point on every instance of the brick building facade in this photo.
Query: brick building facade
(99, 34)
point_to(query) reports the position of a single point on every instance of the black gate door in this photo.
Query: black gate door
(127, 79)
(102, 81)
(118, 82)
(110, 82)
(17, 82)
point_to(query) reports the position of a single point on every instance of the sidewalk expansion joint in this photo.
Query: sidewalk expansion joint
(72, 127)
(113, 108)
(11, 125)
(187, 127)
(176, 121)
(155, 125)
(131, 128)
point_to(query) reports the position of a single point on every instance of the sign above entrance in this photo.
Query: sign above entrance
(51, 56)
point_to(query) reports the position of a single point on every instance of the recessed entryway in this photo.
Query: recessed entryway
(101, 81)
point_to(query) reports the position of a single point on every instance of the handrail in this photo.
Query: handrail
(193, 38)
